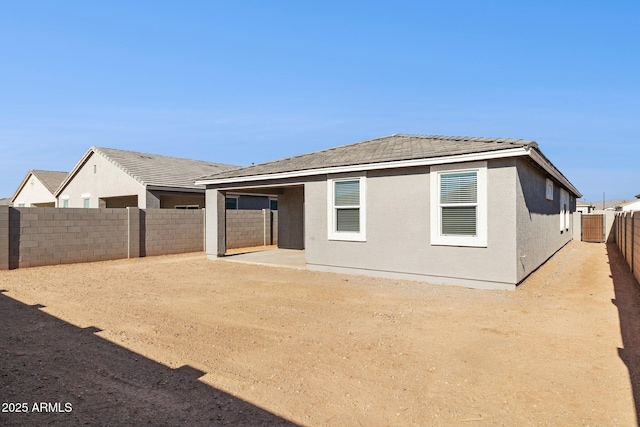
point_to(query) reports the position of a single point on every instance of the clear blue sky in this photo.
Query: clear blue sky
(241, 82)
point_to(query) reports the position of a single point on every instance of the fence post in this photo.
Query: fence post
(4, 237)
(133, 230)
(624, 237)
(618, 230)
(633, 232)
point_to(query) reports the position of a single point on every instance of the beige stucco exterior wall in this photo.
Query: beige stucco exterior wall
(107, 181)
(34, 192)
(635, 206)
(398, 232)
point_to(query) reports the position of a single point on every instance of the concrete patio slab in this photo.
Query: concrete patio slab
(281, 257)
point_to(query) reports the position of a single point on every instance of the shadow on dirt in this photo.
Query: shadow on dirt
(627, 301)
(74, 377)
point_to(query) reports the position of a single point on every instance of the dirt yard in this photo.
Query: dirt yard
(180, 340)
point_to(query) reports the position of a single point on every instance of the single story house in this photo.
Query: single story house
(634, 205)
(38, 188)
(476, 212)
(584, 208)
(112, 178)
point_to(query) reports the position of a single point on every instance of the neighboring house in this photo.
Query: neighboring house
(584, 208)
(110, 178)
(631, 206)
(475, 212)
(38, 188)
(5, 201)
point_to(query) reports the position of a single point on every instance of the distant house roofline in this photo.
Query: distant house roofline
(156, 180)
(50, 179)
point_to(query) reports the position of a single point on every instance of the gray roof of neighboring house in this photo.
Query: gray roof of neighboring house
(153, 169)
(5, 201)
(627, 202)
(50, 179)
(386, 149)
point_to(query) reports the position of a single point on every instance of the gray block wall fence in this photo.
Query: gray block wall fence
(247, 228)
(171, 231)
(47, 236)
(627, 237)
(31, 237)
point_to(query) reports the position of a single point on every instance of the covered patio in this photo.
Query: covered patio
(290, 225)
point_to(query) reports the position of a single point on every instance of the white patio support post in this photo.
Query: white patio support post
(216, 229)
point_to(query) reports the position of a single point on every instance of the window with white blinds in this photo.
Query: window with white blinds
(346, 209)
(459, 205)
(347, 205)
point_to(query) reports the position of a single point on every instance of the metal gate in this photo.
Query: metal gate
(593, 228)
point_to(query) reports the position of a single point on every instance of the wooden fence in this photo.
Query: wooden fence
(593, 228)
(627, 229)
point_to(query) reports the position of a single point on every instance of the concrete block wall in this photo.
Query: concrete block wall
(47, 236)
(627, 230)
(4, 237)
(31, 237)
(274, 227)
(636, 246)
(246, 228)
(172, 231)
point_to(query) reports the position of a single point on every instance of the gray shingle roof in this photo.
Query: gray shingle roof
(162, 171)
(50, 179)
(5, 201)
(379, 150)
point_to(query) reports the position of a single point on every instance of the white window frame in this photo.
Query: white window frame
(549, 190)
(65, 201)
(86, 200)
(480, 239)
(565, 207)
(273, 199)
(360, 236)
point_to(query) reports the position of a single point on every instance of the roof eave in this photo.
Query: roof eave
(549, 167)
(74, 171)
(530, 150)
(496, 154)
(81, 163)
(174, 188)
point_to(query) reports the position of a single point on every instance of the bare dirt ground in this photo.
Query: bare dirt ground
(180, 340)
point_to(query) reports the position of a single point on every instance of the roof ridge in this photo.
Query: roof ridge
(158, 155)
(98, 150)
(402, 135)
(38, 173)
(45, 170)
